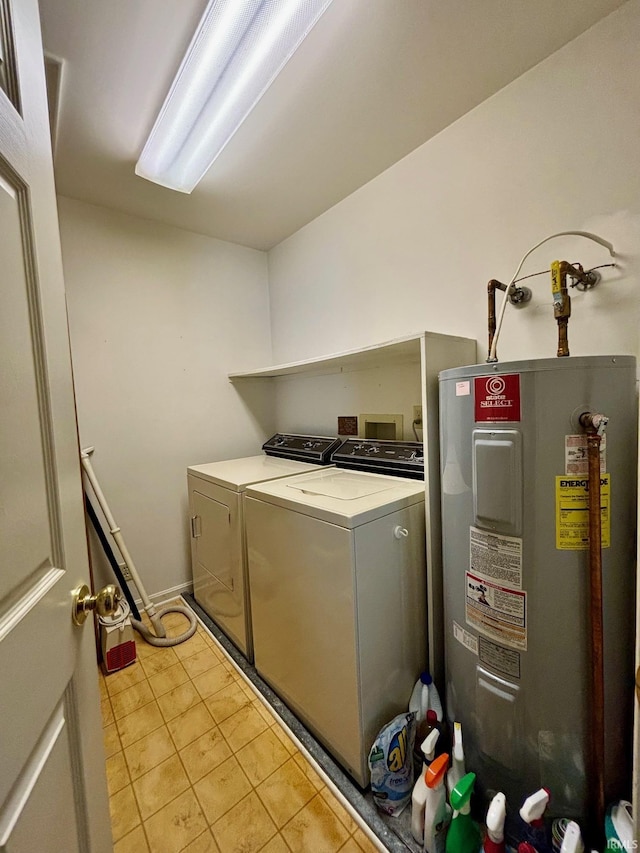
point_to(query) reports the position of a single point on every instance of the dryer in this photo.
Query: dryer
(338, 592)
(216, 508)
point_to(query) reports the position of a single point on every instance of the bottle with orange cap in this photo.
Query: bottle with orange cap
(437, 813)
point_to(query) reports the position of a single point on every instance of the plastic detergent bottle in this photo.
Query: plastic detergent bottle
(419, 794)
(464, 833)
(437, 813)
(494, 842)
(425, 697)
(457, 770)
(532, 813)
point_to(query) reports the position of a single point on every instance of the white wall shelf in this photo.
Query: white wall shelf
(405, 350)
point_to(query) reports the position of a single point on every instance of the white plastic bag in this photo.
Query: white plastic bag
(391, 764)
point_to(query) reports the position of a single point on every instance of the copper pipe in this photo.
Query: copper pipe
(563, 339)
(594, 425)
(576, 271)
(561, 304)
(491, 312)
(561, 299)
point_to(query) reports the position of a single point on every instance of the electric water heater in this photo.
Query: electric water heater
(516, 572)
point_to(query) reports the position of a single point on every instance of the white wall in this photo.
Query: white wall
(158, 318)
(413, 249)
(313, 404)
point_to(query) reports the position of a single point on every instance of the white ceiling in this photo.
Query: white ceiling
(373, 81)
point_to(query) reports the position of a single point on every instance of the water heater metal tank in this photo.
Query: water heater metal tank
(516, 573)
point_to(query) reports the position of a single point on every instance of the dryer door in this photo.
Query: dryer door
(212, 535)
(217, 559)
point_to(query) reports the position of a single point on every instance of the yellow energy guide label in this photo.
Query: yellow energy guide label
(572, 512)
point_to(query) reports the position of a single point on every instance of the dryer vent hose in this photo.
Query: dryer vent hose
(159, 638)
(156, 640)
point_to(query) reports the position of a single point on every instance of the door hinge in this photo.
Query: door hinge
(196, 526)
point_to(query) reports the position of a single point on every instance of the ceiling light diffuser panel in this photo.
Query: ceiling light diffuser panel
(238, 50)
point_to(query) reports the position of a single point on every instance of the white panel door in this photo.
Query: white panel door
(52, 778)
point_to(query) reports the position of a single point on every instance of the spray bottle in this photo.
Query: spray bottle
(419, 795)
(494, 842)
(572, 839)
(437, 813)
(464, 834)
(457, 770)
(423, 730)
(532, 813)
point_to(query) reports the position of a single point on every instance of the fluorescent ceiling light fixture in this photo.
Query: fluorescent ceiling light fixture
(238, 50)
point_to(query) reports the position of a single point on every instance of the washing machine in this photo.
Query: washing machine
(216, 508)
(338, 592)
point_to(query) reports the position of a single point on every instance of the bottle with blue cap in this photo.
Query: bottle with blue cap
(425, 697)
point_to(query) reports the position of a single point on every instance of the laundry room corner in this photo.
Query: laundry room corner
(158, 317)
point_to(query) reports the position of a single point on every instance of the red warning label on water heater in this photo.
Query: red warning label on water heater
(497, 398)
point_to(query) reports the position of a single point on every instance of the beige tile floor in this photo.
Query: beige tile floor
(197, 763)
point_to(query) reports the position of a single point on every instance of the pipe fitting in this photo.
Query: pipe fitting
(519, 296)
(593, 422)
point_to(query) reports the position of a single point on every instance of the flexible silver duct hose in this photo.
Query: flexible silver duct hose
(160, 637)
(165, 641)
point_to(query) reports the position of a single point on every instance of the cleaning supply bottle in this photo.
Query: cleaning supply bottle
(572, 839)
(457, 770)
(419, 794)
(425, 696)
(618, 826)
(437, 813)
(494, 842)
(464, 833)
(423, 730)
(532, 813)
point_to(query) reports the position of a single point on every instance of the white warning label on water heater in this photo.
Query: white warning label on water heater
(496, 611)
(496, 558)
(575, 454)
(469, 641)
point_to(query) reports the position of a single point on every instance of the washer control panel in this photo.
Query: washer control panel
(399, 458)
(304, 448)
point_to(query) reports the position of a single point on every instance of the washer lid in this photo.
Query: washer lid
(344, 498)
(341, 486)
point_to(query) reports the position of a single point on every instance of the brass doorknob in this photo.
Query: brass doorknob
(105, 602)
